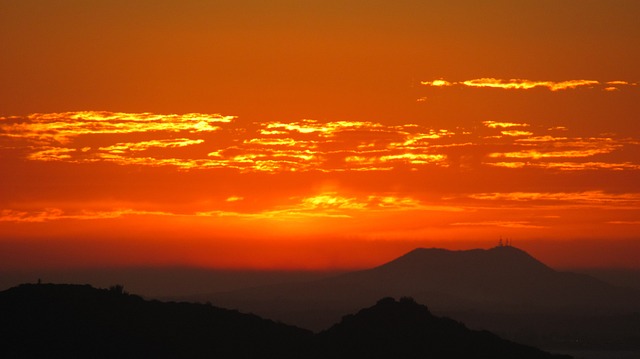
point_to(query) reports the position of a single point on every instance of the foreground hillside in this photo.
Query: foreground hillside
(46, 320)
(405, 329)
(66, 321)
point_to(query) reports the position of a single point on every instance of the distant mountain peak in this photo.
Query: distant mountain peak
(501, 257)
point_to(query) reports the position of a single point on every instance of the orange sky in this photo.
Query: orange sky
(316, 134)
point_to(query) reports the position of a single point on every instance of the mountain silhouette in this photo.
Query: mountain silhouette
(502, 289)
(67, 321)
(502, 276)
(79, 321)
(405, 329)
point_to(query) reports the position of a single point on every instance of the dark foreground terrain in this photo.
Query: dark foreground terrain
(68, 321)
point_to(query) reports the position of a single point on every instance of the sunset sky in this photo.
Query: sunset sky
(317, 134)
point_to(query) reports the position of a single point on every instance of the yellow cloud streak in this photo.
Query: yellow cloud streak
(123, 147)
(586, 197)
(324, 204)
(535, 154)
(334, 205)
(306, 145)
(52, 154)
(495, 124)
(323, 129)
(516, 133)
(437, 83)
(502, 224)
(53, 214)
(624, 83)
(521, 84)
(569, 166)
(61, 127)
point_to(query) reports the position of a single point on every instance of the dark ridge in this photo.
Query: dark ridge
(405, 329)
(68, 321)
(79, 321)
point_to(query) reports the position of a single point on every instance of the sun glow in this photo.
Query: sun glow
(234, 133)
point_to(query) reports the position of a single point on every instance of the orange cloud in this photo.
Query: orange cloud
(551, 148)
(145, 145)
(324, 204)
(437, 83)
(503, 224)
(494, 124)
(593, 198)
(198, 142)
(516, 133)
(524, 84)
(518, 84)
(569, 166)
(54, 214)
(48, 153)
(624, 83)
(61, 127)
(534, 154)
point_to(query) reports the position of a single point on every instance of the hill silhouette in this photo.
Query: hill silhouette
(405, 329)
(502, 289)
(504, 277)
(65, 321)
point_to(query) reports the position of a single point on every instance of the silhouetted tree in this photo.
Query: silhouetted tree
(118, 289)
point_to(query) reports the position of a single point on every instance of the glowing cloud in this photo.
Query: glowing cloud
(524, 84)
(518, 84)
(61, 127)
(494, 124)
(503, 224)
(55, 214)
(516, 133)
(437, 83)
(593, 198)
(209, 142)
(145, 145)
(569, 166)
(623, 83)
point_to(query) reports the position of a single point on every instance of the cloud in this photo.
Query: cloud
(551, 152)
(535, 154)
(516, 133)
(48, 153)
(437, 83)
(615, 85)
(524, 84)
(569, 166)
(629, 223)
(123, 147)
(324, 204)
(503, 224)
(62, 127)
(591, 198)
(623, 83)
(519, 84)
(209, 142)
(494, 124)
(54, 214)
(336, 205)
